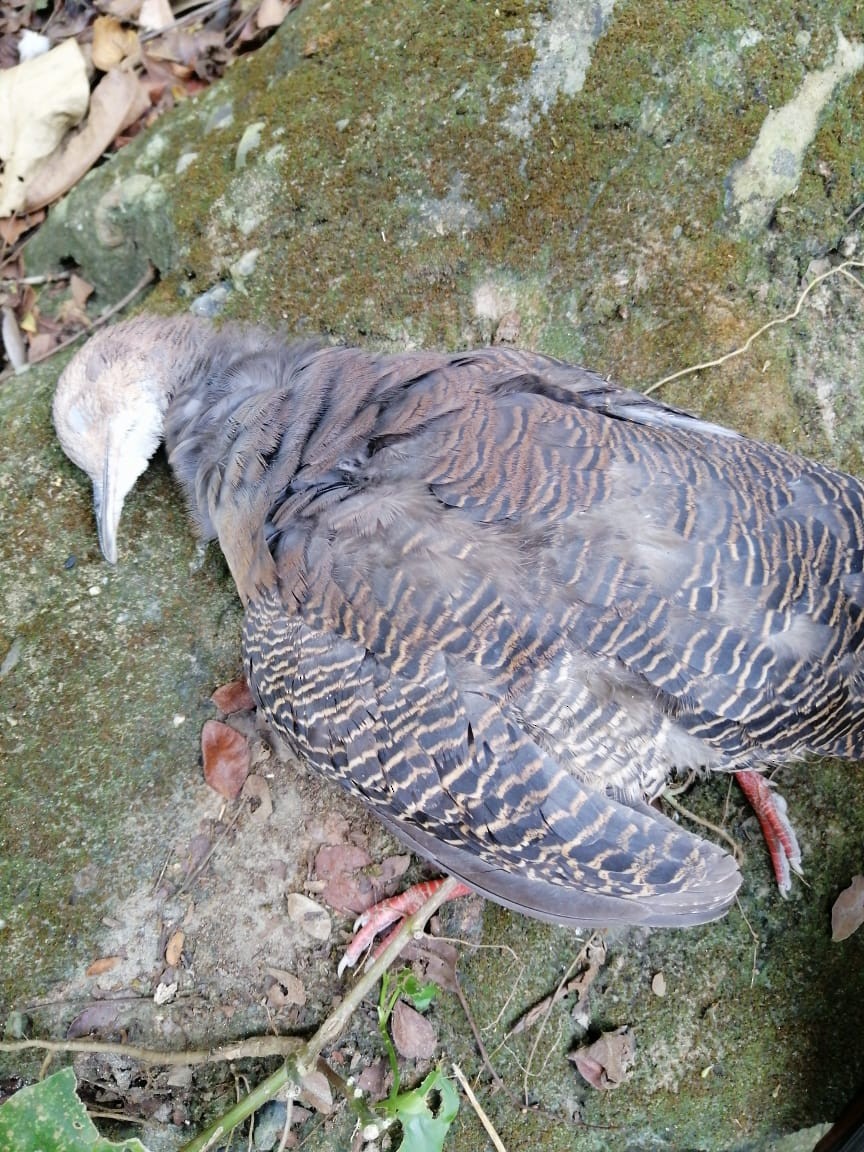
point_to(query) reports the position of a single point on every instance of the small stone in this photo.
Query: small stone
(269, 1125)
(658, 984)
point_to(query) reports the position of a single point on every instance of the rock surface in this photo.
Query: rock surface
(554, 175)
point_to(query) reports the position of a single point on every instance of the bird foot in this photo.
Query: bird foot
(387, 912)
(777, 829)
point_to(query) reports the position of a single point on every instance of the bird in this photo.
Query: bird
(499, 599)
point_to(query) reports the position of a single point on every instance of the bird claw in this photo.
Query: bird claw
(386, 912)
(770, 808)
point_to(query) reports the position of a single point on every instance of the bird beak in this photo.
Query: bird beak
(108, 504)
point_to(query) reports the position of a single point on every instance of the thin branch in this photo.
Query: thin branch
(255, 1047)
(839, 270)
(715, 828)
(296, 1068)
(584, 957)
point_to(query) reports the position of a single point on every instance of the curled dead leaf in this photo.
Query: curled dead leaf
(607, 1063)
(39, 101)
(118, 100)
(113, 43)
(287, 989)
(847, 915)
(226, 758)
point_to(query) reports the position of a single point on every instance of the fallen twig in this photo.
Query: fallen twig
(475, 1104)
(840, 270)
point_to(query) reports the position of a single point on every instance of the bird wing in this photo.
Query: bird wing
(435, 640)
(465, 787)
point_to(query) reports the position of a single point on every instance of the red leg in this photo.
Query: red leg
(387, 912)
(779, 834)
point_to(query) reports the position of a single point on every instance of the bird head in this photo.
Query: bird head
(109, 413)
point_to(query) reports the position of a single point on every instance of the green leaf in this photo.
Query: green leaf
(420, 995)
(421, 1130)
(49, 1117)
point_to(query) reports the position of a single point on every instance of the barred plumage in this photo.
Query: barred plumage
(498, 598)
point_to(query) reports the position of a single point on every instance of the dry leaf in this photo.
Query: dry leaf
(391, 869)
(102, 1017)
(233, 697)
(257, 790)
(81, 290)
(436, 959)
(414, 1036)
(291, 987)
(155, 15)
(101, 966)
(311, 917)
(335, 859)
(372, 1080)
(13, 341)
(13, 228)
(118, 101)
(39, 102)
(41, 345)
(847, 915)
(607, 1063)
(174, 950)
(271, 13)
(112, 43)
(226, 758)
(316, 1093)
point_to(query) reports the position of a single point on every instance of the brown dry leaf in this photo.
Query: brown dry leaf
(391, 869)
(347, 887)
(847, 915)
(316, 1093)
(607, 1063)
(14, 227)
(102, 1017)
(336, 859)
(233, 697)
(174, 950)
(41, 345)
(226, 758)
(438, 959)
(118, 101)
(372, 1080)
(81, 290)
(414, 1036)
(101, 966)
(291, 989)
(113, 44)
(257, 790)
